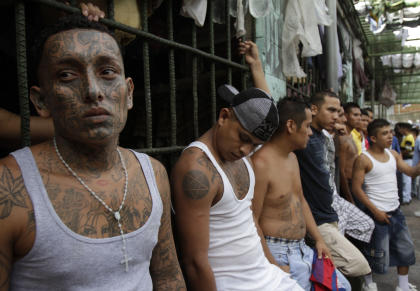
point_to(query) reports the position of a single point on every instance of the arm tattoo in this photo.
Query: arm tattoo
(164, 267)
(195, 184)
(11, 193)
(205, 162)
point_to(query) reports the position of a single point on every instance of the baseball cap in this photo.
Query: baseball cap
(254, 108)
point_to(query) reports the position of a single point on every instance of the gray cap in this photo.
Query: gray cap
(254, 108)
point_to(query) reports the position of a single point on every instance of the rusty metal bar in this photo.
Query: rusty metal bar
(172, 77)
(22, 75)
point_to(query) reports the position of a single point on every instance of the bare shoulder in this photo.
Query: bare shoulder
(363, 162)
(259, 159)
(190, 157)
(263, 158)
(13, 194)
(395, 154)
(193, 159)
(17, 220)
(346, 142)
(159, 170)
(194, 176)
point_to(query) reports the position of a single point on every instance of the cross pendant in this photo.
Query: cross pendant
(125, 261)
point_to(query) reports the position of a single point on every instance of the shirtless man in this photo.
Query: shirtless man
(279, 206)
(375, 185)
(348, 150)
(78, 211)
(213, 181)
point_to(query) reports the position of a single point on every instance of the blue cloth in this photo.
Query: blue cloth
(395, 144)
(416, 152)
(391, 244)
(299, 257)
(416, 159)
(315, 176)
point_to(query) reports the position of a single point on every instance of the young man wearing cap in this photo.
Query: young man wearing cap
(213, 182)
(315, 177)
(282, 212)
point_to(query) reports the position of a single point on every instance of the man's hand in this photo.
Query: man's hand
(322, 250)
(250, 51)
(340, 129)
(92, 12)
(381, 216)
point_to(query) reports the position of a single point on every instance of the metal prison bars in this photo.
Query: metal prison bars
(146, 37)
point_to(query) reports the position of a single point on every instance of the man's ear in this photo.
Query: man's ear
(314, 109)
(39, 101)
(224, 115)
(130, 91)
(373, 138)
(290, 126)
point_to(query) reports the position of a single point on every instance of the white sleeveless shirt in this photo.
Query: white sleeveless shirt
(380, 183)
(235, 252)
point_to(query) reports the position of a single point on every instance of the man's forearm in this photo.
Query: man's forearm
(258, 76)
(200, 277)
(364, 199)
(345, 190)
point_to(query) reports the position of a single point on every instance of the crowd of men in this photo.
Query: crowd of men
(282, 196)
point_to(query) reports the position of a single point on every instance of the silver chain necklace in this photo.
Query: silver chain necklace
(116, 214)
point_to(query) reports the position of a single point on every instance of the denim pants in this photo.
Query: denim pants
(391, 244)
(299, 257)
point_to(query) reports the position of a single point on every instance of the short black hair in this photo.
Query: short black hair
(319, 98)
(65, 23)
(364, 112)
(368, 109)
(291, 108)
(350, 105)
(375, 125)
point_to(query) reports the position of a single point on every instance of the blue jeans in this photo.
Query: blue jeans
(391, 244)
(299, 257)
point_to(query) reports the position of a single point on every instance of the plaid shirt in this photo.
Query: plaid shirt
(351, 220)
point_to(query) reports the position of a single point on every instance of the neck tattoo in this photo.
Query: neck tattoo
(116, 214)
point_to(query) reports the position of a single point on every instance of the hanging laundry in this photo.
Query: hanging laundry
(240, 19)
(301, 26)
(260, 8)
(128, 13)
(195, 9)
(219, 11)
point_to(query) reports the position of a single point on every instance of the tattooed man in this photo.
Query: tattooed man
(282, 212)
(79, 212)
(213, 185)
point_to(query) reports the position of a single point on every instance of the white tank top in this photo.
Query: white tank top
(381, 183)
(235, 252)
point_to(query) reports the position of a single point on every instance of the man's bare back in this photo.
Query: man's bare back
(281, 212)
(348, 154)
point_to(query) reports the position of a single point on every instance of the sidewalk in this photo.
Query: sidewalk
(387, 282)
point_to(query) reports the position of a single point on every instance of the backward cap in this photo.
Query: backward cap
(254, 108)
